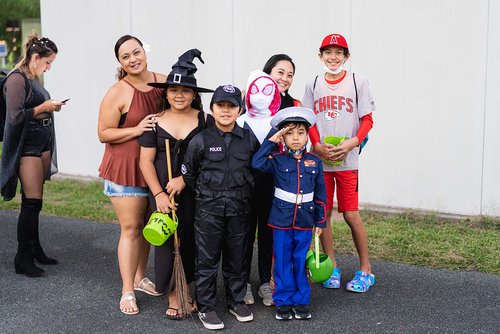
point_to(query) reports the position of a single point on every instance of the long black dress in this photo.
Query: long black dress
(164, 255)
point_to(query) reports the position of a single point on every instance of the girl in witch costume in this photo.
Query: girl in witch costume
(127, 111)
(262, 101)
(29, 147)
(180, 119)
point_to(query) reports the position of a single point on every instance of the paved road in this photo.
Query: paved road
(80, 295)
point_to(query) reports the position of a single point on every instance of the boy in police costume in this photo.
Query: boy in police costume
(298, 207)
(217, 166)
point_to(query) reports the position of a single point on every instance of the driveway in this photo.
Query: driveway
(81, 294)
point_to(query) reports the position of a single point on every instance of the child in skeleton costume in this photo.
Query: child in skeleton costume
(262, 101)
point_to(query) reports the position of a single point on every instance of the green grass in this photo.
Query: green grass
(72, 198)
(428, 240)
(421, 239)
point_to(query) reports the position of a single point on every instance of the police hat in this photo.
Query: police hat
(228, 93)
(293, 114)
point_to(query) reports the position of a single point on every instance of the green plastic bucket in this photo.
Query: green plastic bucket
(159, 228)
(309, 254)
(334, 141)
(320, 265)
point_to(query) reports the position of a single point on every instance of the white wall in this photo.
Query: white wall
(425, 60)
(491, 163)
(431, 67)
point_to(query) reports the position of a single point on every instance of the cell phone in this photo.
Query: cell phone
(64, 101)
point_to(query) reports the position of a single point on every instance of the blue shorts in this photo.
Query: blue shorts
(112, 189)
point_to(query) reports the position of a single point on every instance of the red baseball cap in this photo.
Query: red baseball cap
(334, 40)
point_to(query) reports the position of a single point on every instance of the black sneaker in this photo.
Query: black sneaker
(241, 312)
(302, 312)
(211, 320)
(284, 312)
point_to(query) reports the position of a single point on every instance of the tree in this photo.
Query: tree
(16, 10)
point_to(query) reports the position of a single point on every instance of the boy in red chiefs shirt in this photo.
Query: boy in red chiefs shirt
(343, 104)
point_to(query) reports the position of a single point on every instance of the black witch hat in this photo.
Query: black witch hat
(182, 73)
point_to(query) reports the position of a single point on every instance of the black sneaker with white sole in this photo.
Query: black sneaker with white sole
(284, 312)
(302, 312)
(241, 312)
(211, 320)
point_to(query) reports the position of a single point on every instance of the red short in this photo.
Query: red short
(347, 190)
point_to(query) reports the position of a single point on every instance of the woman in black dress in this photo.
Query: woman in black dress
(180, 119)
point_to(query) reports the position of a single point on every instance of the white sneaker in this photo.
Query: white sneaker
(266, 293)
(248, 299)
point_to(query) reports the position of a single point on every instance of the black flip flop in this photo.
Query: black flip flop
(173, 317)
(194, 306)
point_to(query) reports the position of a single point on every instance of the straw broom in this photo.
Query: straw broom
(181, 287)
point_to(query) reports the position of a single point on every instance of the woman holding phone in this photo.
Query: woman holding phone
(28, 147)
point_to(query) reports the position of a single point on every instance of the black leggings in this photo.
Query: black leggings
(259, 217)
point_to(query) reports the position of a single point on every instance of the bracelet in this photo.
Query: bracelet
(158, 193)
